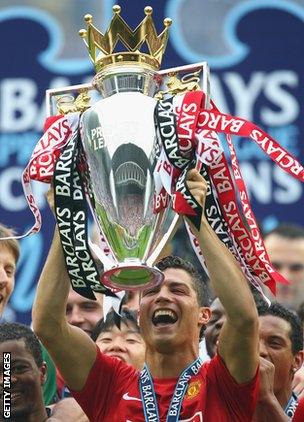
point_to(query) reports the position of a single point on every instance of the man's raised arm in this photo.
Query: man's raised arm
(71, 348)
(238, 345)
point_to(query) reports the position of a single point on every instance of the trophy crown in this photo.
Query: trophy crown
(101, 46)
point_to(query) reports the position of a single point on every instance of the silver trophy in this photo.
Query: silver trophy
(120, 143)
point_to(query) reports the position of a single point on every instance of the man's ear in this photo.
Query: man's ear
(298, 360)
(204, 315)
(43, 373)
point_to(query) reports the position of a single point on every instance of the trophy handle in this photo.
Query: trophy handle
(166, 238)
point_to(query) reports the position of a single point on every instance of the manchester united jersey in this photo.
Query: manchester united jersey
(111, 394)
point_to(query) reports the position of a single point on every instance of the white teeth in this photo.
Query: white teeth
(164, 312)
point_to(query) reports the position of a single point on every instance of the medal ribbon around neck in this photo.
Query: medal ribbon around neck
(148, 396)
(291, 406)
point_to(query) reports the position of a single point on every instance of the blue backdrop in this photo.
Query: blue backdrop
(254, 49)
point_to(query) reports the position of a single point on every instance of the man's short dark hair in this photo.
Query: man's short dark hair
(127, 317)
(287, 230)
(10, 331)
(278, 310)
(199, 285)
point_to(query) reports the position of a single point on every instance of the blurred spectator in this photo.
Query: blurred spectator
(9, 255)
(300, 312)
(131, 301)
(281, 356)
(124, 343)
(285, 246)
(298, 381)
(84, 313)
(214, 326)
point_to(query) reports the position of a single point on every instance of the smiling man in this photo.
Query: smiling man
(9, 255)
(174, 384)
(281, 355)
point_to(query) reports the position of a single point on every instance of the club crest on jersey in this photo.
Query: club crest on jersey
(193, 389)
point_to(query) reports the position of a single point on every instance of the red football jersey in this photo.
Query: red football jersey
(299, 413)
(111, 394)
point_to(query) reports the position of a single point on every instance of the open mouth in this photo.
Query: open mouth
(163, 317)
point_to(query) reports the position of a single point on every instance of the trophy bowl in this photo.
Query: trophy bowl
(120, 144)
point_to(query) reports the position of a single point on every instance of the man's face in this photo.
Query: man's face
(26, 379)
(7, 275)
(213, 327)
(83, 313)
(169, 313)
(287, 256)
(126, 344)
(276, 347)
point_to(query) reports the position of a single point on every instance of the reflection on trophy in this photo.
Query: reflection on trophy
(118, 136)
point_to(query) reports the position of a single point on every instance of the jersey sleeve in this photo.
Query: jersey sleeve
(108, 379)
(240, 399)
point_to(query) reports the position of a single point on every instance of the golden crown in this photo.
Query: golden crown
(101, 46)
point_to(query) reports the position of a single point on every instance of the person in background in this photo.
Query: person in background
(300, 312)
(281, 356)
(298, 380)
(124, 343)
(9, 256)
(285, 247)
(82, 312)
(27, 375)
(131, 301)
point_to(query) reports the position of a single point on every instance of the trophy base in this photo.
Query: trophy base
(132, 277)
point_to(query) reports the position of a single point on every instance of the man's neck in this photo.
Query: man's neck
(284, 396)
(170, 365)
